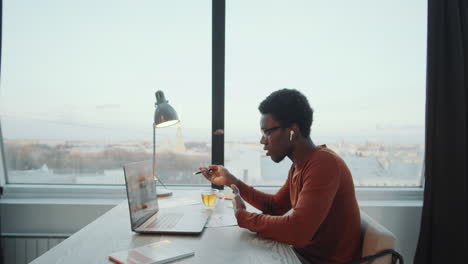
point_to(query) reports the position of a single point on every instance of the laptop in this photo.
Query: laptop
(145, 214)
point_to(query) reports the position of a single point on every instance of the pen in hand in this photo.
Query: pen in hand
(198, 172)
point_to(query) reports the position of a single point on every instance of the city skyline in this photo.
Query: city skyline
(372, 164)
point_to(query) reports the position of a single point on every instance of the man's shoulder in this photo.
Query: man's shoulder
(325, 158)
(323, 153)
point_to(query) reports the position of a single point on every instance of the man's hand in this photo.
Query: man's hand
(237, 202)
(218, 175)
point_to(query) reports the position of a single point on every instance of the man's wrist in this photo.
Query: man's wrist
(238, 210)
(233, 180)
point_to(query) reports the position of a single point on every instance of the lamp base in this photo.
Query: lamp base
(163, 193)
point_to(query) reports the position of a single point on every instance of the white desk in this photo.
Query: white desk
(111, 232)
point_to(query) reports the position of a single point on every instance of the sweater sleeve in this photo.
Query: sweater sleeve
(277, 204)
(320, 184)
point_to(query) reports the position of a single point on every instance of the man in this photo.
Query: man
(324, 223)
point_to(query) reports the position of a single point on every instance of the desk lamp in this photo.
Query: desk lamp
(164, 116)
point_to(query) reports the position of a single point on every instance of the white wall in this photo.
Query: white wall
(48, 218)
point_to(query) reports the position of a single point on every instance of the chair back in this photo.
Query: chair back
(375, 239)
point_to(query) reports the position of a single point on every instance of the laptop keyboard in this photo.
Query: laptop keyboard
(165, 221)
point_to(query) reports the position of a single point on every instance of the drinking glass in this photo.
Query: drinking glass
(210, 197)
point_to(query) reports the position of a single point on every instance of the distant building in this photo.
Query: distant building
(179, 144)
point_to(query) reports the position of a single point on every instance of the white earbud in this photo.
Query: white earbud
(291, 135)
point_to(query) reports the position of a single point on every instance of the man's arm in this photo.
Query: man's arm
(276, 204)
(314, 202)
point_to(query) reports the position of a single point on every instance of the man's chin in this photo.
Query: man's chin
(277, 159)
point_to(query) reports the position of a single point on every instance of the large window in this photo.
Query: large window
(361, 64)
(78, 84)
(79, 77)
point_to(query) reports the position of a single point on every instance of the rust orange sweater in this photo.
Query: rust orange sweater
(324, 225)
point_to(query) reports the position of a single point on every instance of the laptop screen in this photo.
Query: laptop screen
(141, 191)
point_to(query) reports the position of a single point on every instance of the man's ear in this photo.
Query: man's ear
(295, 129)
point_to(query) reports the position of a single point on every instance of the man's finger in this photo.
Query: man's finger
(204, 173)
(235, 190)
(207, 176)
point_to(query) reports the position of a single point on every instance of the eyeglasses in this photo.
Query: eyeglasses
(267, 132)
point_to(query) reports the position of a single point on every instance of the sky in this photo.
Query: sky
(88, 70)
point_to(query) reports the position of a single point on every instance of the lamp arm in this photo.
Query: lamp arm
(154, 158)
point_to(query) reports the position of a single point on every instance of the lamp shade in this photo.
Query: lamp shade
(164, 115)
